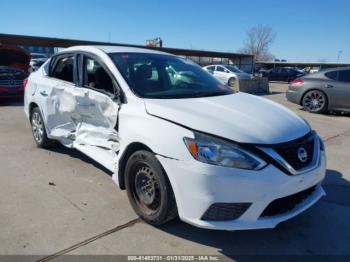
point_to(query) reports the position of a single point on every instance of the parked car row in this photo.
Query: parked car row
(285, 74)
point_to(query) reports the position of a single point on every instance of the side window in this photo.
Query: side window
(220, 69)
(211, 68)
(284, 71)
(332, 75)
(344, 76)
(95, 76)
(64, 69)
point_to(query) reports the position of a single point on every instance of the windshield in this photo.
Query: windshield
(233, 69)
(165, 76)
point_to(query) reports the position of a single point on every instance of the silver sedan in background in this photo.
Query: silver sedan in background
(227, 74)
(326, 90)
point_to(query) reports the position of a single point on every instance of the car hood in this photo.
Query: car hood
(239, 117)
(14, 57)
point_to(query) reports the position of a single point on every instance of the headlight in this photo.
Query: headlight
(211, 150)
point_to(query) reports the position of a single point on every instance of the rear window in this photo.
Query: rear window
(344, 76)
(64, 69)
(234, 69)
(332, 75)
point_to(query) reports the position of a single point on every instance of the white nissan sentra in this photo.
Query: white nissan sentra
(180, 142)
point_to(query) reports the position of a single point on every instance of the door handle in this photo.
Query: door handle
(43, 93)
(329, 86)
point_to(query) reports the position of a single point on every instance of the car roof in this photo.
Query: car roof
(334, 69)
(114, 49)
(217, 65)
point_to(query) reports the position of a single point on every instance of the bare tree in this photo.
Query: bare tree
(259, 39)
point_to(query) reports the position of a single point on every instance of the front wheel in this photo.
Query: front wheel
(148, 189)
(315, 101)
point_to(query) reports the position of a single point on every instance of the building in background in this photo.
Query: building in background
(157, 42)
(46, 50)
(37, 44)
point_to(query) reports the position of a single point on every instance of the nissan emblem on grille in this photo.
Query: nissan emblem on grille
(302, 154)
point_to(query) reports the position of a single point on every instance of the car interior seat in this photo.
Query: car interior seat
(103, 81)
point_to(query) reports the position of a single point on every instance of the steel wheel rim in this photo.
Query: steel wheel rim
(314, 101)
(37, 127)
(146, 189)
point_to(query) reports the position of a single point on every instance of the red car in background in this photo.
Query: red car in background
(14, 65)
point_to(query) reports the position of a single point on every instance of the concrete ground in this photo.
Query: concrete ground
(58, 201)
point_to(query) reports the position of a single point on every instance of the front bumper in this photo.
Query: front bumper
(197, 186)
(13, 91)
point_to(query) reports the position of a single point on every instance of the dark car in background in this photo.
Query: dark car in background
(326, 90)
(14, 65)
(37, 60)
(285, 74)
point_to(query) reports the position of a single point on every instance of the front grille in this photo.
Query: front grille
(285, 204)
(8, 82)
(225, 211)
(289, 152)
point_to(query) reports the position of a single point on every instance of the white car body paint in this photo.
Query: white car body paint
(239, 117)
(85, 119)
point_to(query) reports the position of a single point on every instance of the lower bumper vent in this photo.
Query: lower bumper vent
(285, 204)
(225, 211)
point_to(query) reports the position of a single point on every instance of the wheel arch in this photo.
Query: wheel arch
(128, 151)
(32, 105)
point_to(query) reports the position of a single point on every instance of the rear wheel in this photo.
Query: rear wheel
(231, 82)
(315, 101)
(148, 189)
(38, 129)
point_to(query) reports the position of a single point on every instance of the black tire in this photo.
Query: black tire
(148, 188)
(231, 82)
(315, 101)
(38, 129)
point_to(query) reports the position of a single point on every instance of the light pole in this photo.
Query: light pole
(339, 53)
